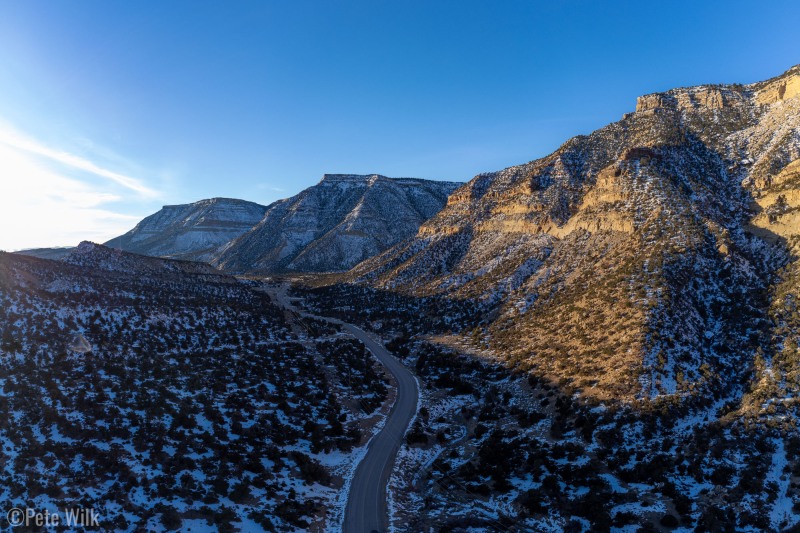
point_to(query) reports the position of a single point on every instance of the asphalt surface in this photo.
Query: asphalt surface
(367, 510)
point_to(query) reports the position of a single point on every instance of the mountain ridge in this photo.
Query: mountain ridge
(333, 225)
(190, 231)
(105, 258)
(627, 261)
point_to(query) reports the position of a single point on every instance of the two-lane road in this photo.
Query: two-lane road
(367, 510)
(366, 504)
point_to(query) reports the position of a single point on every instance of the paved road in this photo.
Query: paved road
(366, 509)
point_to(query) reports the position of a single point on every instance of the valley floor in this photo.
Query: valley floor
(495, 449)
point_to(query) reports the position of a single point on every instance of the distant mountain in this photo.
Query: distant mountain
(191, 231)
(99, 257)
(335, 224)
(651, 258)
(47, 253)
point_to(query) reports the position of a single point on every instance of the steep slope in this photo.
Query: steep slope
(191, 231)
(335, 224)
(635, 262)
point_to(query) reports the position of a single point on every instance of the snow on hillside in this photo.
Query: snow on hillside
(191, 231)
(165, 398)
(335, 224)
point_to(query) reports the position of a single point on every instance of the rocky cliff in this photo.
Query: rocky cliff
(639, 261)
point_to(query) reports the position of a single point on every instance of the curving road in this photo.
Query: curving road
(366, 504)
(366, 509)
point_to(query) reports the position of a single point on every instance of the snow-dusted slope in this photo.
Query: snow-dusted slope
(191, 231)
(336, 224)
(633, 261)
(99, 257)
(165, 399)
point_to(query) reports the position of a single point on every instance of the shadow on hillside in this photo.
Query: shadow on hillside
(718, 197)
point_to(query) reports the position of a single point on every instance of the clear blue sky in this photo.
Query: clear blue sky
(110, 109)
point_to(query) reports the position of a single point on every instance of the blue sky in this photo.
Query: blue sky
(110, 109)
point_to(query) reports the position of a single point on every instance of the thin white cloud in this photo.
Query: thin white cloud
(41, 208)
(14, 139)
(264, 186)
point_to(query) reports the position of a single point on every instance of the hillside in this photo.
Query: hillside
(104, 258)
(606, 338)
(169, 399)
(637, 261)
(191, 231)
(335, 224)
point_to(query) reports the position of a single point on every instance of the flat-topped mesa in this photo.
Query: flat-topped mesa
(336, 224)
(777, 89)
(369, 179)
(349, 178)
(191, 231)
